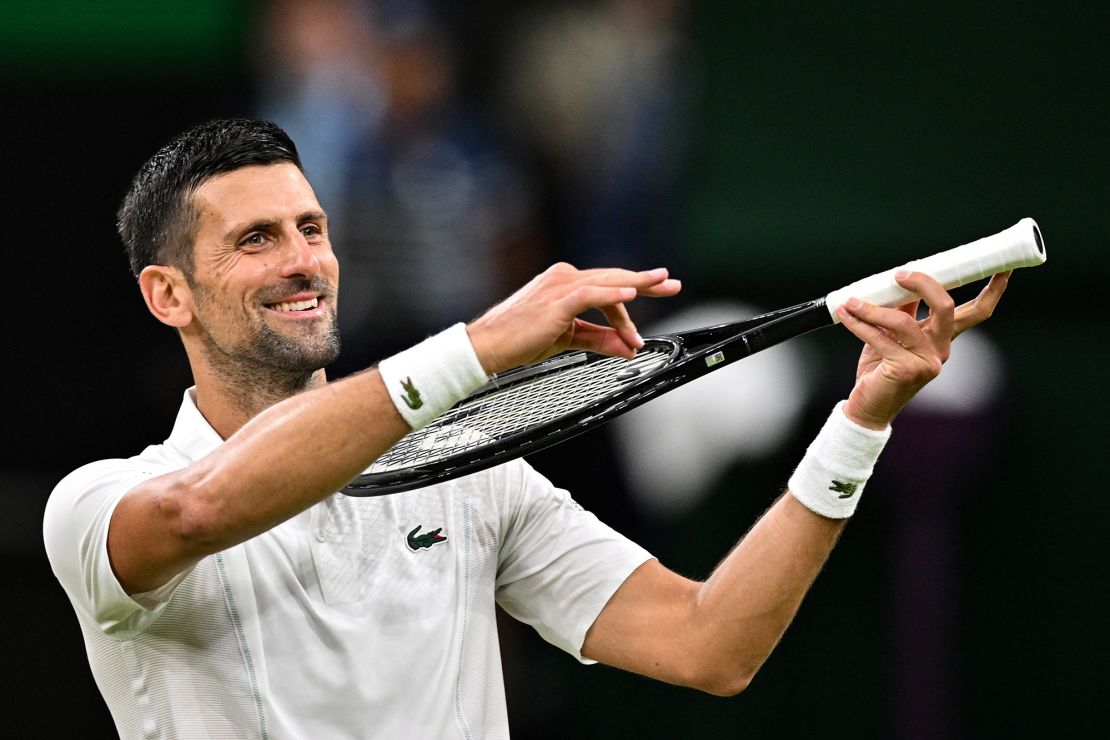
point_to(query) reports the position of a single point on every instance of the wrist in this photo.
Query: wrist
(831, 476)
(485, 356)
(431, 377)
(874, 420)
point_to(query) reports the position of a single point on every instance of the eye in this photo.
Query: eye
(311, 230)
(257, 239)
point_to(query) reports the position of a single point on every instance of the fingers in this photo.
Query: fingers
(941, 306)
(655, 283)
(617, 316)
(945, 318)
(875, 326)
(609, 290)
(599, 288)
(930, 339)
(982, 307)
(611, 302)
(886, 327)
(610, 276)
(902, 353)
(898, 360)
(665, 289)
(541, 319)
(910, 354)
(601, 339)
(582, 297)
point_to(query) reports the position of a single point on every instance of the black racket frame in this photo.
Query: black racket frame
(689, 358)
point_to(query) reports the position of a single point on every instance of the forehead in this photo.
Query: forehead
(258, 192)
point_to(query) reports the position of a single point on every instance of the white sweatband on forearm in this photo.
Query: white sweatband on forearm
(426, 380)
(831, 476)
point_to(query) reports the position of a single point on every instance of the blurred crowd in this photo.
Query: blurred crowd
(445, 193)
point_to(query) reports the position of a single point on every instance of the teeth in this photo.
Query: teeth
(297, 305)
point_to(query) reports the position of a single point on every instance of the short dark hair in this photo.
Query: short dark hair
(157, 220)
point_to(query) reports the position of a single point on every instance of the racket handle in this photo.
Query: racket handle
(1020, 245)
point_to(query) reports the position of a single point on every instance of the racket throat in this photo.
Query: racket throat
(804, 319)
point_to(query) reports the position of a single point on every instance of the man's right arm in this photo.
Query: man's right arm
(279, 463)
(305, 448)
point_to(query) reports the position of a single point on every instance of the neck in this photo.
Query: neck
(230, 394)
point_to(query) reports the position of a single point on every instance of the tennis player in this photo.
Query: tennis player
(225, 589)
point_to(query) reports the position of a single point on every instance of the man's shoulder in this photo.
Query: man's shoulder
(106, 478)
(154, 460)
(100, 470)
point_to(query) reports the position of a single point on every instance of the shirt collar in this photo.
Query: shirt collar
(192, 434)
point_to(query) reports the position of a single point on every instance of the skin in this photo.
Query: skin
(293, 439)
(715, 635)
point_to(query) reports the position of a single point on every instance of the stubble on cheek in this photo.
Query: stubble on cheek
(248, 334)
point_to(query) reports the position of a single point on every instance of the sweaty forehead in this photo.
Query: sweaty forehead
(255, 193)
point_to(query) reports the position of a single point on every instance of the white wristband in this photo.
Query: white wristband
(426, 380)
(831, 476)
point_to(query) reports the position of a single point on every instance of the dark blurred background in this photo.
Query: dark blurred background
(767, 153)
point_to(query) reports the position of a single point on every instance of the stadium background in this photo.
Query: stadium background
(817, 142)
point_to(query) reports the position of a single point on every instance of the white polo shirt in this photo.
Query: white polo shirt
(354, 619)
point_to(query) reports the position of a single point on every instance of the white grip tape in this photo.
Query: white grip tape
(1018, 246)
(426, 380)
(830, 478)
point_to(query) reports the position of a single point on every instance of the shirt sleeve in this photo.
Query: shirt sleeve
(75, 531)
(559, 564)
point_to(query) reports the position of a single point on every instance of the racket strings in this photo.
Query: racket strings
(497, 414)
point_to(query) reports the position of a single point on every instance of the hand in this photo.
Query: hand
(541, 319)
(903, 354)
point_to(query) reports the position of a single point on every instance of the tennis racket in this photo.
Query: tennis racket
(536, 406)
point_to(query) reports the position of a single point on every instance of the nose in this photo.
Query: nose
(301, 259)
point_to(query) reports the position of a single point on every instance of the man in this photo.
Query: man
(225, 590)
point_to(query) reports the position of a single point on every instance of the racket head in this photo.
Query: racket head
(567, 395)
(522, 411)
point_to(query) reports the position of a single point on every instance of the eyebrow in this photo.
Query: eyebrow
(269, 224)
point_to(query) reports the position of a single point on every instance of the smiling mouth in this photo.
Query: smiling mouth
(305, 305)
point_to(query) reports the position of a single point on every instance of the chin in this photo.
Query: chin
(299, 356)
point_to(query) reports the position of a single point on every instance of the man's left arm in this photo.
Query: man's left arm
(715, 635)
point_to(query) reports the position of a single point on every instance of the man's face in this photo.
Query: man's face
(265, 278)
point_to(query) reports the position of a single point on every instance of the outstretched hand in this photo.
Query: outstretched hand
(541, 319)
(903, 353)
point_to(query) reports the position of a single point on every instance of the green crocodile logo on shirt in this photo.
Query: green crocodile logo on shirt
(412, 397)
(418, 541)
(846, 490)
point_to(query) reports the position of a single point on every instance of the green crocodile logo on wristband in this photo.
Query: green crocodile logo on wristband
(412, 397)
(846, 490)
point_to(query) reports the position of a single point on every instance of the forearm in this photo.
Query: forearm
(754, 594)
(744, 608)
(292, 455)
(281, 462)
(715, 635)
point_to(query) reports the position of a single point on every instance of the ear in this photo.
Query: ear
(167, 295)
